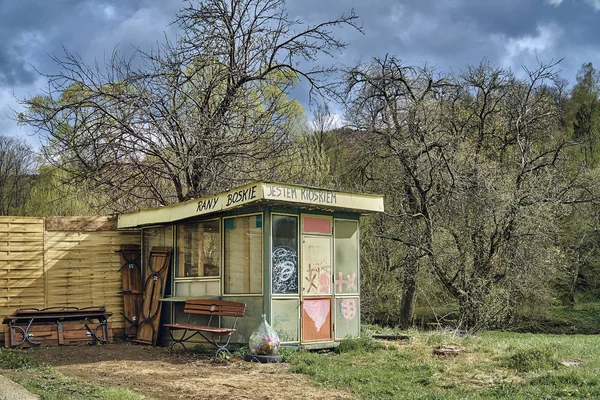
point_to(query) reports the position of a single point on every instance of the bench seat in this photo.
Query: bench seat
(204, 328)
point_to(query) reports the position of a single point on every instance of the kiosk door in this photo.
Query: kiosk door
(317, 267)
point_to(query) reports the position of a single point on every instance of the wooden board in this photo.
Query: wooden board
(131, 274)
(154, 289)
(82, 268)
(81, 224)
(21, 263)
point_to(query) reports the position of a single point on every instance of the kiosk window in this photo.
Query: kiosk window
(284, 254)
(243, 255)
(199, 249)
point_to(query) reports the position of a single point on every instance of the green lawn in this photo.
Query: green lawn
(490, 366)
(493, 365)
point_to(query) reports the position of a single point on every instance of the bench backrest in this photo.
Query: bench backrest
(222, 308)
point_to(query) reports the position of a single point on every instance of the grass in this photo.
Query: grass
(492, 365)
(43, 380)
(580, 318)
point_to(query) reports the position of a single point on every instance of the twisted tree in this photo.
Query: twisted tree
(475, 166)
(193, 116)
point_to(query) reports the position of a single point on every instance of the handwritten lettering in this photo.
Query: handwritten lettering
(208, 204)
(241, 196)
(307, 195)
(317, 196)
(282, 192)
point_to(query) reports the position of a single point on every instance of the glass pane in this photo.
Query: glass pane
(346, 257)
(243, 255)
(316, 265)
(199, 249)
(316, 319)
(161, 236)
(347, 318)
(197, 288)
(317, 225)
(285, 319)
(246, 324)
(285, 254)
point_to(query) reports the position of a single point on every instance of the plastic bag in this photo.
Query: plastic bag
(264, 339)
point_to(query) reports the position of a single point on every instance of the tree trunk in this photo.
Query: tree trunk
(470, 312)
(409, 292)
(573, 285)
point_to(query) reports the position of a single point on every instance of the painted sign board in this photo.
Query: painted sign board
(251, 193)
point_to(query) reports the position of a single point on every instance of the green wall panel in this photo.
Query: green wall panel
(347, 317)
(285, 319)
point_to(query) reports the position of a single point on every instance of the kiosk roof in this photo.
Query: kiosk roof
(255, 193)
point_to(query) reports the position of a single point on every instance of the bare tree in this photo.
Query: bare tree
(193, 116)
(17, 166)
(396, 104)
(479, 179)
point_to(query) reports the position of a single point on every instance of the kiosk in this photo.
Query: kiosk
(290, 252)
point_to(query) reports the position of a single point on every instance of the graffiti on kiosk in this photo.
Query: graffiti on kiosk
(285, 270)
(317, 278)
(348, 309)
(350, 282)
(305, 195)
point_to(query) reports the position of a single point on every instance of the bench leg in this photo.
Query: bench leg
(221, 348)
(177, 341)
(181, 340)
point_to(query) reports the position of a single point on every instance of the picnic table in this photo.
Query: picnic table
(53, 326)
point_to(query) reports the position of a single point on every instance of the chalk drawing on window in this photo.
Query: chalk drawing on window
(285, 270)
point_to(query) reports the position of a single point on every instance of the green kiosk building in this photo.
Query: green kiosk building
(290, 252)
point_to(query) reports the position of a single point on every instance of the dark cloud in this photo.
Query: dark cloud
(449, 34)
(14, 69)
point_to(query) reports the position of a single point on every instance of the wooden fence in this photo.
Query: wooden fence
(58, 261)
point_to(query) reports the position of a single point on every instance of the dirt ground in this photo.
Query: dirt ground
(154, 372)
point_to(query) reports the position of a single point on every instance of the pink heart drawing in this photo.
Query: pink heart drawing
(317, 310)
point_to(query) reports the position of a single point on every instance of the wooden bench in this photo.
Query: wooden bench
(212, 332)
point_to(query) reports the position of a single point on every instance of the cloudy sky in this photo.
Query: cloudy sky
(447, 34)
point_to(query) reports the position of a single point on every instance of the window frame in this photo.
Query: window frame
(316, 216)
(298, 255)
(262, 253)
(335, 261)
(221, 256)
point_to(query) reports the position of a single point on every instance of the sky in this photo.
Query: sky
(448, 35)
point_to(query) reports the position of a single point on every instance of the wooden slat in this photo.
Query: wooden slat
(78, 268)
(81, 224)
(83, 269)
(21, 220)
(211, 329)
(215, 307)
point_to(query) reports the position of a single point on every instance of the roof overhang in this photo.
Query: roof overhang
(255, 193)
